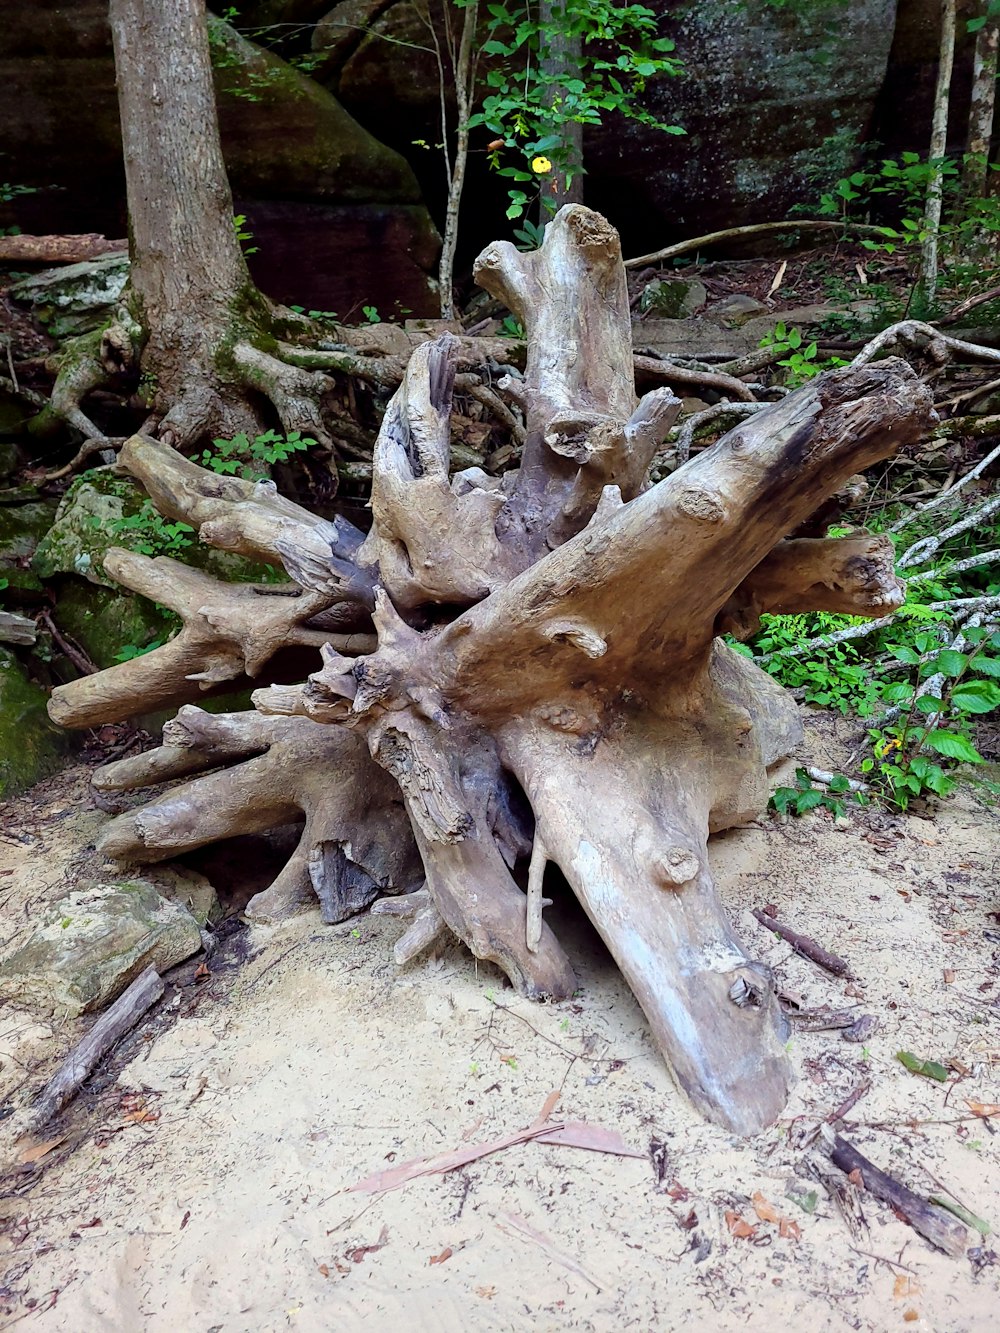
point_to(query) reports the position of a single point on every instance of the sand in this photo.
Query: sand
(203, 1183)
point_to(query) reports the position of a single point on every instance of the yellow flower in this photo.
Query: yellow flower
(540, 165)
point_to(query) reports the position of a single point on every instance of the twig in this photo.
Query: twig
(970, 562)
(822, 776)
(757, 229)
(873, 626)
(806, 946)
(848, 1104)
(923, 549)
(700, 379)
(968, 305)
(944, 496)
(112, 1025)
(685, 437)
(76, 655)
(909, 330)
(942, 1231)
(95, 444)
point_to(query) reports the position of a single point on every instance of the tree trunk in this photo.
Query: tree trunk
(975, 177)
(563, 61)
(938, 148)
(546, 676)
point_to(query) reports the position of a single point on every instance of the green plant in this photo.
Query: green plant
(511, 327)
(802, 362)
(243, 234)
(148, 532)
(252, 459)
(532, 100)
(805, 796)
(129, 651)
(371, 314)
(937, 723)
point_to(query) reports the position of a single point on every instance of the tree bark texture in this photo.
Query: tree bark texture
(542, 679)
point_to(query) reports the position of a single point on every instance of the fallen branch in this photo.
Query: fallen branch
(112, 1025)
(16, 629)
(806, 946)
(58, 249)
(948, 493)
(969, 304)
(699, 379)
(958, 604)
(757, 229)
(943, 1232)
(911, 331)
(687, 432)
(923, 549)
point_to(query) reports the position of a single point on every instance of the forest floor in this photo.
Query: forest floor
(201, 1180)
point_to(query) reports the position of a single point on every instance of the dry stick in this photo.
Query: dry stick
(944, 1232)
(16, 629)
(970, 304)
(109, 1028)
(76, 655)
(944, 496)
(536, 877)
(908, 329)
(806, 946)
(849, 1103)
(958, 604)
(760, 228)
(970, 562)
(701, 379)
(923, 549)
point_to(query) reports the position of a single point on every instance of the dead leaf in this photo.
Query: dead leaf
(361, 1252)
(33, 1152)
(778, 278)
(984, 1109)
(765, 1210)
(905, 1288)
(856, 1178)
(738, 1227)
(446, 1253)
(690, 1222)
(324, 1270)
(949, 976)
(141, 1115)
(595, 1138)
(201, 971)
(487, 1293)
(678, 1193)
(911, 1316)
(789, 1230)
(524, 1229)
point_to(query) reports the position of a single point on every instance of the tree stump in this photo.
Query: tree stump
(547, 680)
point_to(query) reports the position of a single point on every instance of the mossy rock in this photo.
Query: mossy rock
(93, 943)
(31, 748)
(673, 298)
(90, 520)
(22, 528)
(104, 621)
(77, 298)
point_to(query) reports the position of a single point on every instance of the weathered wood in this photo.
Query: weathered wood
(806, 946)
(934, 1224)
(112, 1025)
(58, 249)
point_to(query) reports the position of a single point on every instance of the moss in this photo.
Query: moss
(22, 527)
(30, 746)
(103, 620)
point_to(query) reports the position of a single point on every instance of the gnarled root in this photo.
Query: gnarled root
(356, 843)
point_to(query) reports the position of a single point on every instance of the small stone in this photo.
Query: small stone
(93, 943)
(188, 889)
(738, 308)
(673, 298)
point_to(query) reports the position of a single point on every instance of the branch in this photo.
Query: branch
(757, 229)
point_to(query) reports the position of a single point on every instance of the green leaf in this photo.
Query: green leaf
(987, 666)
(928, 704)
(903, 653)
(899, 693)
(927, 1068)
(808, 800)
(963, 1214)
(953, 745)
(949, 662)
(976, 696)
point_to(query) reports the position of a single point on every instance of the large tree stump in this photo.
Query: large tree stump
(547, 677)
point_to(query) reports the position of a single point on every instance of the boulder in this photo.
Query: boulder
(285, 138)
(91, 944)
(31, 747)
(75, 298)
(23, 524)
(673, 298)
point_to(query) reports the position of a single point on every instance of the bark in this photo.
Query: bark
(938, 148)
(976, 174)
(546, 676)
(57, 249)
(464, 62)
(563, 60)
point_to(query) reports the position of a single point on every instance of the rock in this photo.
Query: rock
(286, 140)
(22, 527)
(91, 944)
(75, 298)
(704, 335)
(673, 298)
(188, 889)
(105, 622)
(738, 308)
(689, 406)
(31, 747)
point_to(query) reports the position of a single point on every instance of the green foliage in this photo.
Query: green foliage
(243, 234)
(149, 533)
(371, 314)
(804, 796)
(802, 363)
(252, 459)
(529, 108)
(132, 650)
(511, 327)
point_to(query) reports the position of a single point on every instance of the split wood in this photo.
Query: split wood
(525, 667)
(934, 1224)
(806, 946)
(112, 1025)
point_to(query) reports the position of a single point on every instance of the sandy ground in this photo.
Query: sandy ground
(202, 1183)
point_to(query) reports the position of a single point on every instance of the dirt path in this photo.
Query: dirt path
(305, 1061)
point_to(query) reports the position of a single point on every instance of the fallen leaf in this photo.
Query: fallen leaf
(738, 1227)
(690, 1222)
(201, 972)
(789, 1230)
(487, 1293)
(361, 1252)
(856, 1178)
(33, 1152)
(94, 1222)
(141, 1115)
(983, 1109)
(764, 1209)
(927, 1068)
(778, 278)
(595, 1138)
(911, 1316)
(949, 975)
(905, 1287)
(324, 1270)
(678, 1193)
(446, 1253)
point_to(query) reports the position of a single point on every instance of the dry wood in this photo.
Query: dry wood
(17, 629)
(58, 249)
(752, 229)
(546, 677)
(934, 1224)
(112, 1025)
(806, 946)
